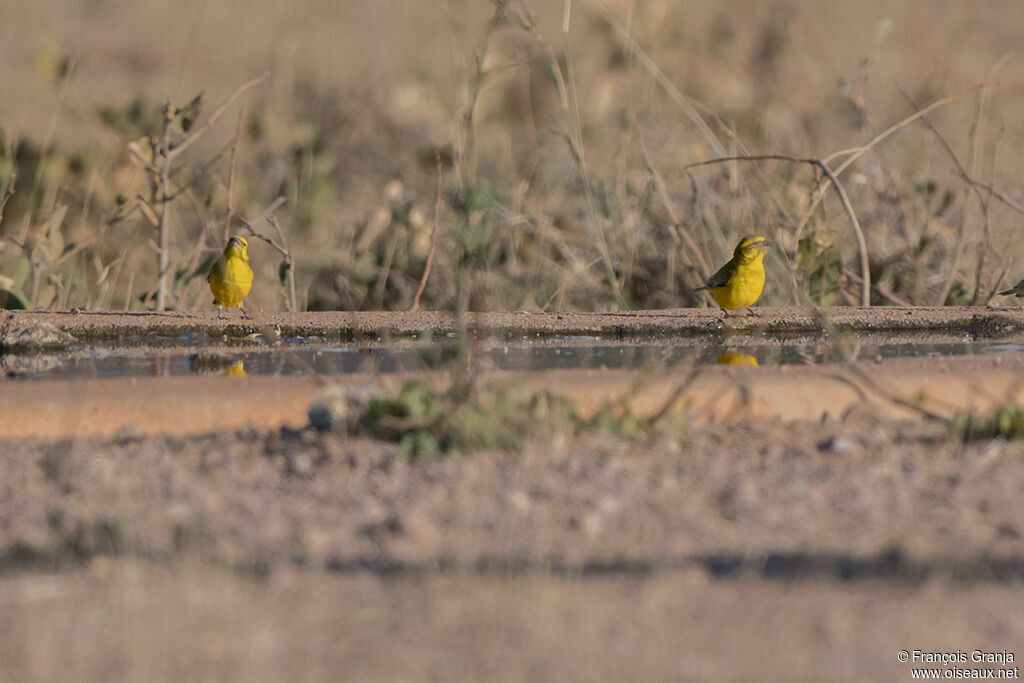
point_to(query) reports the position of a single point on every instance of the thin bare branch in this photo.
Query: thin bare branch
(962, 172)
(203, 170)
(865, 269)
(263, 215)
(198, 132)
(280, 247)
(678, 234)
(756, 157)
(163, 191)
(289, 263)
(1005, 200)
(231, 175)
(576, 134)
(856, 152)
(44, 150)
(681, 100)
(433, 237)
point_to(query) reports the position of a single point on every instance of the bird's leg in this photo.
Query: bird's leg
(751, 311)
(219, 311)
(244, 314)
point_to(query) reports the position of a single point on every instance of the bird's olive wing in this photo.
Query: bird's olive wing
(216, 267)
(721, 278)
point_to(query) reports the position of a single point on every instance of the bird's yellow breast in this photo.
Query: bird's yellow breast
(230, 281)
(743, 287)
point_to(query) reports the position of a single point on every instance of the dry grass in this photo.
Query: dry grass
(565, 135)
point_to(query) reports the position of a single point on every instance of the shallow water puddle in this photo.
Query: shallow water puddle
(569, 353)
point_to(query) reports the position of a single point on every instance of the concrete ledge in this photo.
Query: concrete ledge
(27, 330)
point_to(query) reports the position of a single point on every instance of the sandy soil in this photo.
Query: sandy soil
(757, 550)
(898, 387)
(720, 496)
(194, 527)
(126, 621)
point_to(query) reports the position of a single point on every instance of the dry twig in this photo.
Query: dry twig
(162, 171)
(198, 132)
(231, 175)
(286, 271)
(433, 237)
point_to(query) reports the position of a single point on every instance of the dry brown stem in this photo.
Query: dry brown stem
(433, 237)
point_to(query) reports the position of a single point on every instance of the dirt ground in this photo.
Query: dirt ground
(812, 535)
(126, 621)
(750, 551)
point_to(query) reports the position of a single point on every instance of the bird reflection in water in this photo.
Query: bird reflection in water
(736, 358)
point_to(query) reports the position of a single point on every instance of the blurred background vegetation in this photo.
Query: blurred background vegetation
(563, 156)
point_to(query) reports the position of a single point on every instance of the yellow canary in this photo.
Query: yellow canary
(231, 277)
(1017, 290)
(237, 369)
(731, 358)
(739, 283)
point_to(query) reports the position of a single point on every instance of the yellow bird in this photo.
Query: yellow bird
(730, 358)
(237, 369)
(231, 277)
(739, 283)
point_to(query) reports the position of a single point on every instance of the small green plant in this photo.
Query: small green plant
(822, 267)
(427, 422)
(414, 418)
(12, 285)
(1005, 421)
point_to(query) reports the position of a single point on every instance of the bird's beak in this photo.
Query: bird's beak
(767, 244)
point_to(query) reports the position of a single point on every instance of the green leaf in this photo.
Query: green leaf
(19, 271)
(482, 197)
(12, 298)
(822, 268)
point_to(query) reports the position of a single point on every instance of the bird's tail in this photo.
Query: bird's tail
(1008, 292)
(697, 289)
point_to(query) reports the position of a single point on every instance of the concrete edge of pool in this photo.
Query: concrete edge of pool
(26, 330)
